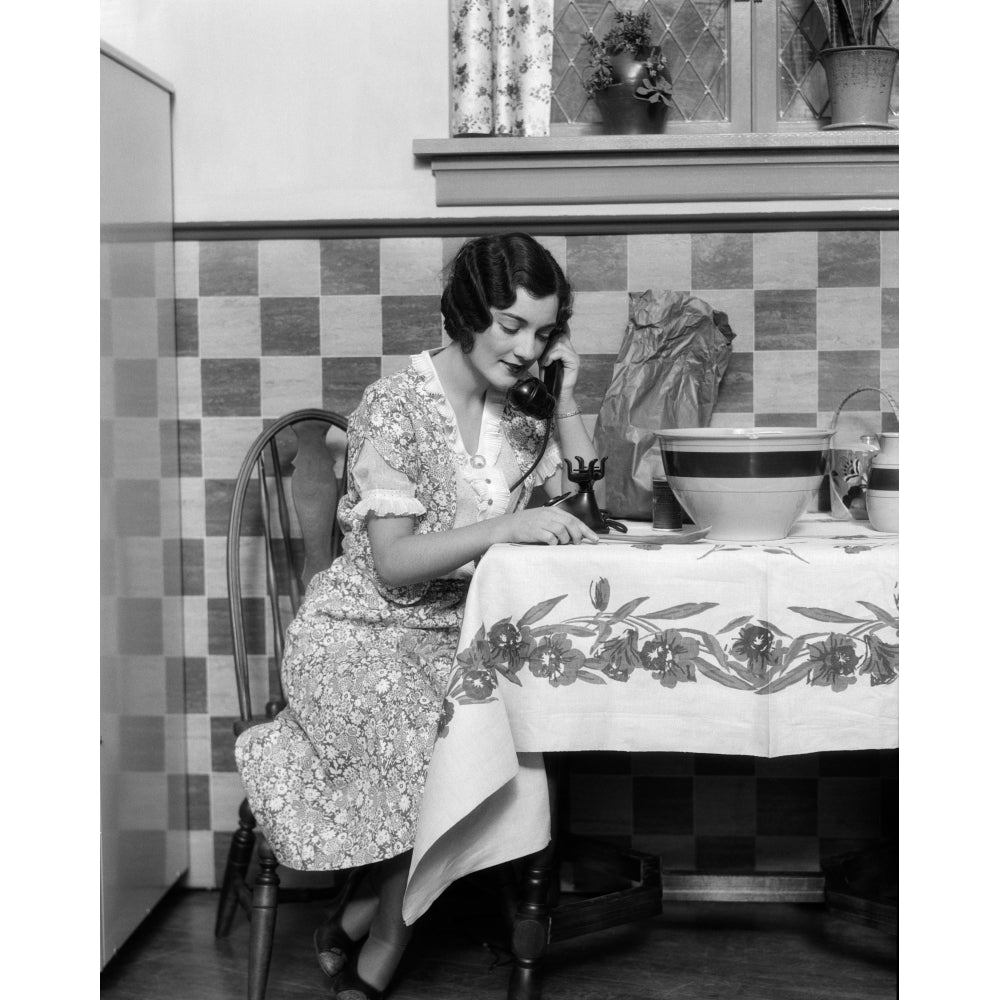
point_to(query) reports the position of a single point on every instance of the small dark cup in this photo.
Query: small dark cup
(667, 511)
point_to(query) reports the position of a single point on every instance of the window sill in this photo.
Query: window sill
(857, 170)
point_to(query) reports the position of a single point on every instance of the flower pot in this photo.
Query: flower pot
(622, 113)
(859, 78)
(628, 68)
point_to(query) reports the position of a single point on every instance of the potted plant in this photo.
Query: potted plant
(628, 78)
(859, 71)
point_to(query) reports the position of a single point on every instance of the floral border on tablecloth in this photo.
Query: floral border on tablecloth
(747, 654)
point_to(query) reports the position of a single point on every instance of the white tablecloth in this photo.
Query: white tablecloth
(766, 648)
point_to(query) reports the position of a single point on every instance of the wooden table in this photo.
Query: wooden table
(766, 649)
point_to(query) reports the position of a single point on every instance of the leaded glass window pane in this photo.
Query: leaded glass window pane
(694, 36)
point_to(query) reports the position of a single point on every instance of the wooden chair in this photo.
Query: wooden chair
(276, 546)
(291, 460)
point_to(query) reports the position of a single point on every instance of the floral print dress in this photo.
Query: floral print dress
(336, 780)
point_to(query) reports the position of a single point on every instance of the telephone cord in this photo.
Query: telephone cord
(538, 457)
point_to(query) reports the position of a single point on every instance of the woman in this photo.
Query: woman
(436, 453)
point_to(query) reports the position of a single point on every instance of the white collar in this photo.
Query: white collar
(489, 429)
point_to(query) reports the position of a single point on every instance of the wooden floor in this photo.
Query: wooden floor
(695, 951)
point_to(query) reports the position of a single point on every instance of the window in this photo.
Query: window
(736, 65)
(745, 137)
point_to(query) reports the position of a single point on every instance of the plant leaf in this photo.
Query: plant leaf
(561, 627)
(539, 611)
(876, 20)
(682, 610)
(788, 680)
(793, 649)
(845, 18)
(713, 645)
(709, 670)
(754, 680)
(825, 615)
(735, 623)
(626, 609)
(880, 614)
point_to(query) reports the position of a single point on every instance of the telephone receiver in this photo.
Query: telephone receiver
(537, 397)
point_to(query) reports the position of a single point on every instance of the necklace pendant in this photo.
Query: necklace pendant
(477, 461)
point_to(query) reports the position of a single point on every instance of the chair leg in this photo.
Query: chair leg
(263, 913)
(240, 852)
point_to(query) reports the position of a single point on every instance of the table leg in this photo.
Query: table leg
(543, 917)
(539, 894)
(531, 927)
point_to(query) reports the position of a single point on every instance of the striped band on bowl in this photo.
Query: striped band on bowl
(744, 465)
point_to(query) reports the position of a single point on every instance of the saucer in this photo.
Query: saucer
(682, 537)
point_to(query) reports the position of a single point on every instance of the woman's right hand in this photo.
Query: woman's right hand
(547, 526)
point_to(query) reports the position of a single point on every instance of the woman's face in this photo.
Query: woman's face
(517, 337)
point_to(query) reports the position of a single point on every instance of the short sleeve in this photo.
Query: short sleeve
(384, 491)
(385, 420)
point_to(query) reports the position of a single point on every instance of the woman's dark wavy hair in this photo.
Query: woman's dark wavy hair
(487, 271)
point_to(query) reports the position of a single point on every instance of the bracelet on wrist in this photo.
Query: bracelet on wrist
(563, 416)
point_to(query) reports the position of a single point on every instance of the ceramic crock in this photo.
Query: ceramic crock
(882, 494)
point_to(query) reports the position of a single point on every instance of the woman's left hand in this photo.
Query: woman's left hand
(561, 349)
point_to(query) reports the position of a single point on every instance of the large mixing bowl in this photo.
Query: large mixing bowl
(748, 483)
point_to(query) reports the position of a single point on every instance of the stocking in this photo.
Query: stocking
(388, 936)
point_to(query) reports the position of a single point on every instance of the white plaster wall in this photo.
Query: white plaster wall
(295, 109)
(306, 110)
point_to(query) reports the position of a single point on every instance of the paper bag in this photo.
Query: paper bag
(672, 358)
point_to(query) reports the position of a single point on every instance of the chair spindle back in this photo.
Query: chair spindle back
(315, 492)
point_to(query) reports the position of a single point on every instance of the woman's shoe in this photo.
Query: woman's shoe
(334, 948)
(353, 987)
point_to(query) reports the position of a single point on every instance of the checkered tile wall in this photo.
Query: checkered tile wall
(267, 326)
(717, 812)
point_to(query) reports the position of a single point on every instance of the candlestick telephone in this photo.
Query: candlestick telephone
(537, 398)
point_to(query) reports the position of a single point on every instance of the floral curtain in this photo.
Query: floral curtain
(501, 67)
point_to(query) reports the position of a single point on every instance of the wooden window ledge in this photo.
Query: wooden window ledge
(856, 169)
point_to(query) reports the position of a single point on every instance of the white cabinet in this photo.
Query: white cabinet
(144, 838)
